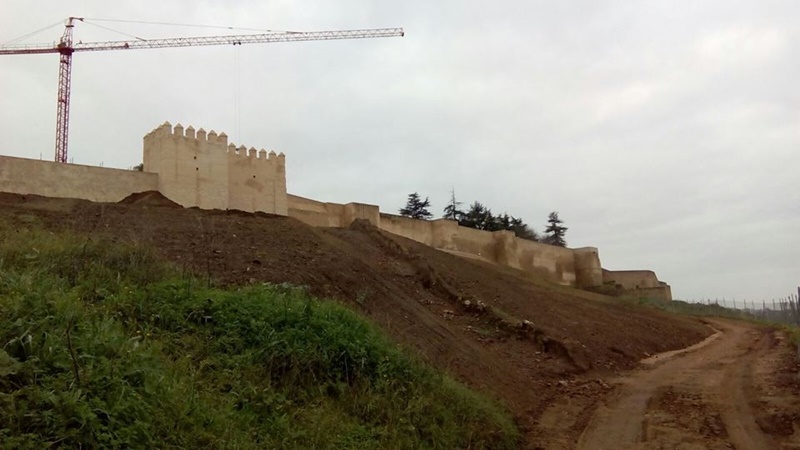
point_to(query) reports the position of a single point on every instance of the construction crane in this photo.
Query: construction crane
(66, 48)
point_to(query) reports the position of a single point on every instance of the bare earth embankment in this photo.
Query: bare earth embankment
(575, 352)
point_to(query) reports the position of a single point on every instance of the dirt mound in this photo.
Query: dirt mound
(515, 337)
(6, 198)
(37, 202)
(149, 198)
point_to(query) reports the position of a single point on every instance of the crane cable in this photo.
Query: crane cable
(113, 30)
(237, 90)
(89, 19)
(190, 25)
(237, 95)
(33, 33)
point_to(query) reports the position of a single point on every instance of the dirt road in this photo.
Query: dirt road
(720, 394)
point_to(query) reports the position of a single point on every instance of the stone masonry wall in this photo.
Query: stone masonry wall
(199, 169)
(314, 213)
(638, 283)
(632, 279)
(573, 267)
(202, 169)
(52, 179)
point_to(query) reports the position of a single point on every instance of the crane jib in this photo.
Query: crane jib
(66, 48)
(290, 36)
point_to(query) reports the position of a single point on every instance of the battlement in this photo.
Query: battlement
(166, 129)
(220, 141)
(199, 168)
(252, 153)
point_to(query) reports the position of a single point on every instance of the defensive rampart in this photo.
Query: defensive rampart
(51, 179)
(632, 279)
(639, 283)
(199, 169)
(202, 169)
(572, 267)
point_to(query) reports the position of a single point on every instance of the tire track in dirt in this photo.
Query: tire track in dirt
(696, 399)
(736, 397)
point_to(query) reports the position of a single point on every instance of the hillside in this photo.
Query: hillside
(106, 346)
(518, 339)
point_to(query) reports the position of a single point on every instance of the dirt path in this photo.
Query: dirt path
(705, 397)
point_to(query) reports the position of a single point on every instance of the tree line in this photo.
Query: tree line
(480, 217)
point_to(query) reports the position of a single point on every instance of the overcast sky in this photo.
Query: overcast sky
(666, 133)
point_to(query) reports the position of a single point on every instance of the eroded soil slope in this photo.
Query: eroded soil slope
(521, 340)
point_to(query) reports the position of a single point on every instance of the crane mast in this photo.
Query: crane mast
(65, 48)
(64, 88)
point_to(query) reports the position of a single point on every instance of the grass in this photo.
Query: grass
(794, 335)
(104, 345)
(715, 310)
(693, 309)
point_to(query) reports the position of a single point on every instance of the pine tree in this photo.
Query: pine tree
(416, 208)
(522, 230)
(555, 231)
(452, 211)
(504, 221)
(479, 217)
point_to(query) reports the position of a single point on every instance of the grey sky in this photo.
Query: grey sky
(665, 132)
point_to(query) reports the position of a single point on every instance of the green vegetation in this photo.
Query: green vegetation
(794, 335)
(714, 310)
(481, 217)
(416, 208)
(104, 345)
(555, 231)
(693, 309)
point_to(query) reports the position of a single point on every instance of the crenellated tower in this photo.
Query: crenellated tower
(202, 169)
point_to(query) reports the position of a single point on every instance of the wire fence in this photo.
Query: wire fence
(785, 310)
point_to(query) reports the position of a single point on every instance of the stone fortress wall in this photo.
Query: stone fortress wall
(52, 179)
(570, 267)
(202, 169)
(641, 283)
(198, 169)
(579, 267)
